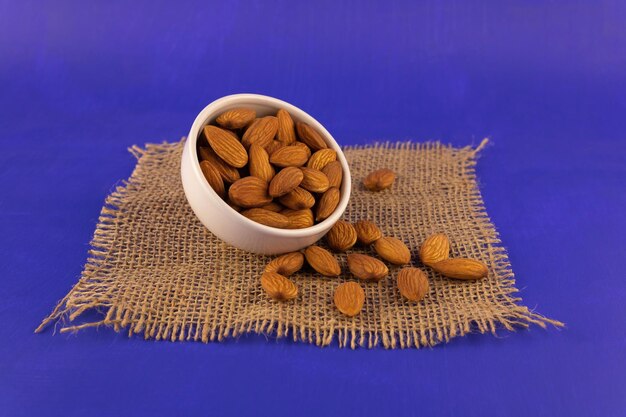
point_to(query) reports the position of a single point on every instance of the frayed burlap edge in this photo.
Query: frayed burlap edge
(514, 316)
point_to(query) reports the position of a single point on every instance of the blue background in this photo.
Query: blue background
(546, 81)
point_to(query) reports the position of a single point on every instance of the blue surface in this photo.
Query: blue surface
(79, 83)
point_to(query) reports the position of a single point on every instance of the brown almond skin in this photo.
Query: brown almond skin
(286, 264)
(435, 248)
(327, 204)
(226, 146)
(367, 268)
(213, 177)
(273, 206)
(249, 192)
(289, 156)
(314, 180)
(412, 283)
(334, 173)
(266, 217)
(260, 163)
(349, 298)
(286, 129)
(278, 287)
(273, 147)
(298, 199)
(285, 181)
(321, 158)
(236, 118)
(322, 261)
(341, 236)
(392, 250)
(379, 180)
(228, 173)
(461, 268)
(367, 232)
(304, 147)
(310, 137)
(261, 132)
(299, 219)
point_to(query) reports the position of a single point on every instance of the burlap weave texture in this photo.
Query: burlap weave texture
(155, 270)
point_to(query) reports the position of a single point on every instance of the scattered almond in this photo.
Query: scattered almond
(285, 181)
(298, 199)
(266, 217)
(286, 131)
(289, 156)
(349, 298)
(278, 287)
(461, 268)
(379, 180)
(321, 158)
(435, 248)
(260, 163)
(314, 180)
(322, 261)
(367, 232)
(261, 132)
(309, 136)
(366, 268)
(334, 173)
(299, 219)
(412, 283)
(236, 118)
(392, 250)
(327, 203)
(213, 178)
(341, 236)
(226, 146)
(286, 264)
(249, 192)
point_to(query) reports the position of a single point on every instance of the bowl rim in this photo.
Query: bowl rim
(216, 106)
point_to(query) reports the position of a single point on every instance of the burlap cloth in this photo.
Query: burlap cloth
(155, 270)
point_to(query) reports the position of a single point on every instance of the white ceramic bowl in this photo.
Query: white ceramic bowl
(226, 223)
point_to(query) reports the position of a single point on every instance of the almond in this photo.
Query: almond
(412, 283)
(259, 165)
(278, 287)
(273, 147)
(213, 178)
(321, 158)
(261, 132)
(327, 203)
(236, 118)
(435, 248)
(334, 172)
(314, 180)
(298, 199)
(289, 156)
(304, 147)
(367, 232)
(227, 172)
(226, 146)
(266, 217)
(379, 180)
(286, 132)
(461, 268)
(285, 181)
(286, 264)
(299, 219)
(322, 261)
(392, 250)
(349, 298)
(366, 268)
(341, 236)
(273, 206)
(309, 136)
(249, 192)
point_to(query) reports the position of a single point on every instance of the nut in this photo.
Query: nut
(327, 203)
(227, 172)
(309, 136)
(412, 283)
(341, 236)
(379, 180)
(334, 173)
(212, 175)
(249, 192)
(461, 268)
(260, 163)
(299, 219)
(322, 261)
(286, 131)
(278, 287)
(349, 298)
(266, 217)
(226, 146)
(286, 264)
(261, 132)
(392, 250)
(367, 232)
(298, 199)
(435, 248)
(285, 181)
(321, 158)
(289, 156)
(236, 118)
(366, 268)
(314, 180)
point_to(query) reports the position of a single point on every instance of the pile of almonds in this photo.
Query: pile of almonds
(349, 297)
(273, 171)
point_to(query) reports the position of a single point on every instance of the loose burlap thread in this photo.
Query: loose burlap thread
(153, 269)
